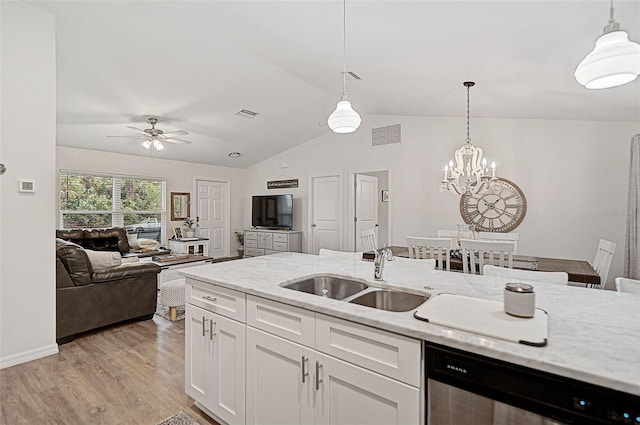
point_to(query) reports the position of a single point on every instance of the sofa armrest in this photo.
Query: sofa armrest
(125, 271)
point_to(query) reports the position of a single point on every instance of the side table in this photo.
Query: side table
(198, 246)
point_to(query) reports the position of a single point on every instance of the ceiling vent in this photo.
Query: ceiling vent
(245, 113)
(353, 76)
(385, 135)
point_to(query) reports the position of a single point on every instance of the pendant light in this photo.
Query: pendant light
(614, 60)
(344, 119)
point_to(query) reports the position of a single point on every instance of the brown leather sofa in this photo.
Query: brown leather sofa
(105, 239)
(87, 299)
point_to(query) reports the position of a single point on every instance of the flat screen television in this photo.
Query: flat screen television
(272, 211)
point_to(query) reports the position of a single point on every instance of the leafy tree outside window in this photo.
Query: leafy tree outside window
(136, 203)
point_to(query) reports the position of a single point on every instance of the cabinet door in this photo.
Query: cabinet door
(214, 363)
(228, 370)
(276, 393)
(265, 240)
(198, 353)
(349, 394)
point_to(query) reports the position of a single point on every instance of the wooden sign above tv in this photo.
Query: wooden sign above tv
(282, 184)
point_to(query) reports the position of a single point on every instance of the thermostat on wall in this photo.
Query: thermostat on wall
(28, 186)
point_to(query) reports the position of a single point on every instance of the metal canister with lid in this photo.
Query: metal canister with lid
(519, 299)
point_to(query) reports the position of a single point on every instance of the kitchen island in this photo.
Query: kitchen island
(593, 334)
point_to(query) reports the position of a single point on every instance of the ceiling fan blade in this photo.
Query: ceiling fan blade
(131, 137)
(136, 129)
(177, 141)
(177, 132)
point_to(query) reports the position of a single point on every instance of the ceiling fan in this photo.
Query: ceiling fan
(154, 137)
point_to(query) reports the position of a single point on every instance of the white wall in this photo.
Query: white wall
(180, 177)
(27, 148)
(573, 174)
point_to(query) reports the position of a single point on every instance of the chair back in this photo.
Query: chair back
(431, 248)
(344, 254)
(449, 234)
(495, 236)
(602, 260)
(624, 284)
(368, 238)
(560, 278)
(475, 254)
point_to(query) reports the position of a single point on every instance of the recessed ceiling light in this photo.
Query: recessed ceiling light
(234, 155)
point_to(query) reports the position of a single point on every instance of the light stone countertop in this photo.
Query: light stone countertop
(594, 335)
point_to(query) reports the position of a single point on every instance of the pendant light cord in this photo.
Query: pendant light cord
(344, 49)
(611, 20)
(468, 138)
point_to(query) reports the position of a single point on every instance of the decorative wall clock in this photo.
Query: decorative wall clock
(501, 208)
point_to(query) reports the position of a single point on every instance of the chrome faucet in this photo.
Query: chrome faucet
(378, 262)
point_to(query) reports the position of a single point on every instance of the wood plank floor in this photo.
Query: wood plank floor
(131, 373)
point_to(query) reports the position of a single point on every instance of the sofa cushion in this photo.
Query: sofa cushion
(75, 260)
(103, 259)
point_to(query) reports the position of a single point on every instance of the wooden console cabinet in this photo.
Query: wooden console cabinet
(263, 242)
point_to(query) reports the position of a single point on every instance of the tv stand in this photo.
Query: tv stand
(268, 241)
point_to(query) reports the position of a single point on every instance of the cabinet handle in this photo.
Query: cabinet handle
(209, 298)
(318, 380)
(304, 368)
(211, 325)
(204, 324)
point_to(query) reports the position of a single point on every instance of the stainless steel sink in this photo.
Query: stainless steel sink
(329, 286)
(388, 300)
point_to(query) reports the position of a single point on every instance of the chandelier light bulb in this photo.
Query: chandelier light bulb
(146, 144)
(157, 145)
(344, 119)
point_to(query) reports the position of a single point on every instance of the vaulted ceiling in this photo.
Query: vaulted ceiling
(194, 64)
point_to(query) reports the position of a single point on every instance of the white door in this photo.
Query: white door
(276, 393)
(349, 394)
(326, 213)
(366, 207)
(212, 200)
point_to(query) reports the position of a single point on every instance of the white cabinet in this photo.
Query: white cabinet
(196, 247)
(262, 242)
(215, 363)
(279, 390)
(314, 387)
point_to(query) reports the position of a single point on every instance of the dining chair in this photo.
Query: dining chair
(560, 278)
(496, 236)
(368, 238)
(602, 260)
(431, 248)
(624, 284)
(449, 234)
(485, 252)
(344, 254)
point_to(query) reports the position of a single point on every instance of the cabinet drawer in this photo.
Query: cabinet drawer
(280, 237)
(384, 352)
(226, 302)
(271, 251)
(292, 323)
(253, 252)
(280, 246)
(251, 235)
(251, 243)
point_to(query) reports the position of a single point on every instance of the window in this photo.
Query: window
(99, 200)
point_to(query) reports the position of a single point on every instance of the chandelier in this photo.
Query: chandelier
(470, 173)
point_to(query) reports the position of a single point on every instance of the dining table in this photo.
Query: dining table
(579, 271)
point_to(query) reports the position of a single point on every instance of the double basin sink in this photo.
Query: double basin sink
(356, 292)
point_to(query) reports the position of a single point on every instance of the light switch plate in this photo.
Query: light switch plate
(27, 186)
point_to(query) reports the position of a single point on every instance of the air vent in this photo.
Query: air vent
(352, 75)
(385, 135)
(245, 113)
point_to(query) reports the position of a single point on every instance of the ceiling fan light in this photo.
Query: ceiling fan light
(344, 119)
(157, 145)
(146, 144)
(614, 61)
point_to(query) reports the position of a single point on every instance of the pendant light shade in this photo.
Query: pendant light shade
(613, 62)
(344, 119)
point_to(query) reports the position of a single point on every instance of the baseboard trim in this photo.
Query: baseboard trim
(27, 356)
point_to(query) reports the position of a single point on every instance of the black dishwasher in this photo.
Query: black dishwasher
(469, 389)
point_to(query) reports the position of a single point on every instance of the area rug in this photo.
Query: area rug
(163, 311)
(180, 418)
